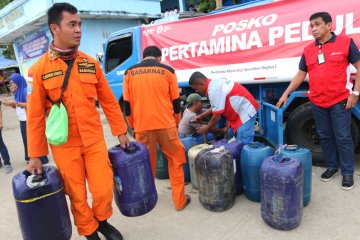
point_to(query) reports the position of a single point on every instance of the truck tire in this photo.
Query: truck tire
(301, 130)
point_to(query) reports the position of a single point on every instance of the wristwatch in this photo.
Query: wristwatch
(356, 93)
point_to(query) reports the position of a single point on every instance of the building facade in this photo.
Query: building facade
(24, 24)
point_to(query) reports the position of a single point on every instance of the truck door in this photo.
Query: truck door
(122, 51)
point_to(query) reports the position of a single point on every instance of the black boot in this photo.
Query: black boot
(93, 236)
(109, 231)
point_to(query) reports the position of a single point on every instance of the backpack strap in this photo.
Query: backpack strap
(64, 85)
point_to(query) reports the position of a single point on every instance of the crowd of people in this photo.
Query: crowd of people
(150, 91)
(175, 10)
(170, 12)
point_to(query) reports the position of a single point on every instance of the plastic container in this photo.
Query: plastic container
(134, 191)
(42, 211)
(304, 155)
(281, 182)
(161, 165)
(252, 156)
(234, 147)
(192, 154)
(215, 172)
(188, 143)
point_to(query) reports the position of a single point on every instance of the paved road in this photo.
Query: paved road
(332, 214)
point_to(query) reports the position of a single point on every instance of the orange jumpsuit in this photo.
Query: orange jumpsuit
(84, 156)
(150, 89)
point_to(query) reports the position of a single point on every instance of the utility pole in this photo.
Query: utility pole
(182, 7)
(219, 4)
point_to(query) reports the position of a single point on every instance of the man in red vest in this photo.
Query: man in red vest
(331, 93)
(229, 99)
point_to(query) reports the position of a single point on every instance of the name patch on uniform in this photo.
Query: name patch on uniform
(87, 70)
(147, 71)
(52, 74)
(86, 67)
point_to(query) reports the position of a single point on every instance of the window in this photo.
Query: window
(119, 50)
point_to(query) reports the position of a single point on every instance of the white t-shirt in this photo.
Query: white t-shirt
(185, 127)
(217, 92)
(21, 113)
(232, 100)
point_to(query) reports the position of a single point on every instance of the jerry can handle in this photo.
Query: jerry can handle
(131, 148)
(256, 144)
(38, 177)
(35, 180)
(293, 147)
(279, 159)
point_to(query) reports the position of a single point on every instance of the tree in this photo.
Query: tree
(9, 52)
(205, 5)
(3, 3)
(208, 5)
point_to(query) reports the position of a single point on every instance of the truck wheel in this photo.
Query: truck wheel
(301, 130)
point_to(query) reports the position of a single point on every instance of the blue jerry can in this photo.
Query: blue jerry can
(234, 147)
(281, 183)
(230, 133)
(252, 156)
(304, 155)
(134, 189)
(188, 143)
(42, 211)
(201, 138)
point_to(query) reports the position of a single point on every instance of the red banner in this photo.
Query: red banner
(271, 32)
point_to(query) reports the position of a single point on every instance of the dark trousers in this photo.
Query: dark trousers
(44, 159)
(3, 150)
(334, 127)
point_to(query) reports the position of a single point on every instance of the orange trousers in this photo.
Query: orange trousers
(78, 165)
(173, 149)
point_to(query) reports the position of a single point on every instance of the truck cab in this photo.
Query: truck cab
(259, 47)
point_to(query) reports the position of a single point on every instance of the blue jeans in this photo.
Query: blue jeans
(199, 137)
(222, 122)
(43, 159)
(333, 125)
(245, 133)
(4, 152)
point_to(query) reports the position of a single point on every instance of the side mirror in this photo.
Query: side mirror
(100, 57)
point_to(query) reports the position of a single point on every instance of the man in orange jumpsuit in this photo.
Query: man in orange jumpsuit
(152, 107)
(84, 156)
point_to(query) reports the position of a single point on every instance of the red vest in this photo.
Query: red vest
(235, 111)
(329, 82)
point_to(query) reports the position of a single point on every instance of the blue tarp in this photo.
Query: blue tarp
(5, 63)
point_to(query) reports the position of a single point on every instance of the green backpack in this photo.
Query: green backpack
(57, 123)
